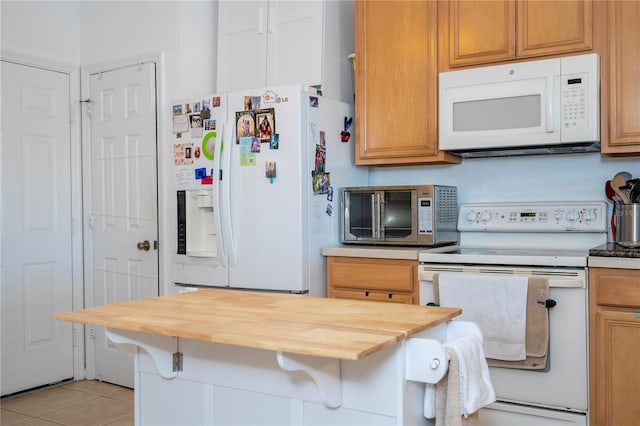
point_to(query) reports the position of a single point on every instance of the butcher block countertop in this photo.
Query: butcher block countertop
(332, 328)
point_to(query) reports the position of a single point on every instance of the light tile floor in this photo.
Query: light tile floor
(83, 403)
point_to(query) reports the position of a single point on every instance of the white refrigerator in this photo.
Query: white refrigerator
(260, 199)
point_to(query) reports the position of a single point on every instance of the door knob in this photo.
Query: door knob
(144, 245)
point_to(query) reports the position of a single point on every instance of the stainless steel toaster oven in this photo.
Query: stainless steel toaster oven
(412, 215)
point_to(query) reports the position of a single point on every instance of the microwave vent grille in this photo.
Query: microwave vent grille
(447, 205)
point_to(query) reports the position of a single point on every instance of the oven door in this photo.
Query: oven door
(563, 384)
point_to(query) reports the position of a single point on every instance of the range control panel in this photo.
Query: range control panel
(570, 216)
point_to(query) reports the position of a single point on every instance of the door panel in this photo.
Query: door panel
(36, 242)
(242, 35)
(291, 25)
(123, 201)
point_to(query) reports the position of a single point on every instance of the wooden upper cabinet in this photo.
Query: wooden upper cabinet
(552, 27)
(624, 84)
(396, 82)
(480, 32)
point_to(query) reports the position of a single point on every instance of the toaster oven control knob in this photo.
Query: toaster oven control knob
(485, 216)
(471, 216)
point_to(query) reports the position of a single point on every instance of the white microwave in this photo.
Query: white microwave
(536, 107)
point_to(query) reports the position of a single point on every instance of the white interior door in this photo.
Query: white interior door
(123, 201)
(36, 240)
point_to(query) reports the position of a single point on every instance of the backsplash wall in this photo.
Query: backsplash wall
(565, 177)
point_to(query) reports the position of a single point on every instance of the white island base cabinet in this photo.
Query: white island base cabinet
(235, 385)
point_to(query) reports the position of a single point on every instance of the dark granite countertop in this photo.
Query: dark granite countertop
(615, 250)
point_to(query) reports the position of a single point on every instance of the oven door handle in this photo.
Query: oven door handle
(549, 303)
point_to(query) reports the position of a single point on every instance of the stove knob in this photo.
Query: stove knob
(573, 216)
(589, 215)
(471, 216)
(486, 216)
(558, 215)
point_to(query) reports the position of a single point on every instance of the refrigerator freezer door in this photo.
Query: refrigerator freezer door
(280, 215)
(198, 256)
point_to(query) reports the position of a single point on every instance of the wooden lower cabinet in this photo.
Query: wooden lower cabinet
(614, 346)
(386, 280)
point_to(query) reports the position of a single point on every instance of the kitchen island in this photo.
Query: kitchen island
(235, 357)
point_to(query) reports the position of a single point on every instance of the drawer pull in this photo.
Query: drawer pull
(366, 293)
(390, 295)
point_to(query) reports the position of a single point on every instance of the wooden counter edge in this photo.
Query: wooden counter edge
(387, 338)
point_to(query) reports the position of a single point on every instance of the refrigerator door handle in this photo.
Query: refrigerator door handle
(225, 193)
(221, 257)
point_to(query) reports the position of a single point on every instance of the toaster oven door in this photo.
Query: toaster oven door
(399, 216)
(380, 216)
(359, 216)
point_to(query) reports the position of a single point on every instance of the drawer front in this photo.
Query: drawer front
(616, 287)
(372, 295)
(372, 274)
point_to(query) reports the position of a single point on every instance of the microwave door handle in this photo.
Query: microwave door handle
(550, 127)
(373, 216)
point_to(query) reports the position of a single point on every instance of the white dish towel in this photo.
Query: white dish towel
(497, 304)
(472, 380)
(476, 389)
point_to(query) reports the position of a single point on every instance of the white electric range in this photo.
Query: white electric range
(534, 239)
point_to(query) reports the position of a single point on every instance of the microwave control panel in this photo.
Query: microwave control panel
(425, 215)
(574, 101)
(579, 99)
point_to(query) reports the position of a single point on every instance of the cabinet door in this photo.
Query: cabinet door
(481, 31)
(242, 45)
(294, 48)
(396, 83)
(551, 27)
(617, 370)
(526, 29)
(624, 85)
